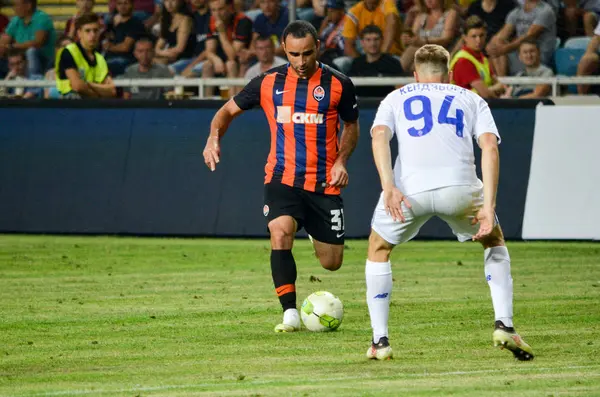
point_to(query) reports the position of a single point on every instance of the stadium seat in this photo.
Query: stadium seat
(60, 25)
(577, 42)
(566, 61)
(557, 45)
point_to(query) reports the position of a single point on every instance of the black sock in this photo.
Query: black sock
(283, 270)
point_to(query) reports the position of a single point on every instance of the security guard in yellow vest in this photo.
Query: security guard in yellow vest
(470, 67)
(81, 71)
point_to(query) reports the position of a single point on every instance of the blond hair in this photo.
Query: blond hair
(432, 59)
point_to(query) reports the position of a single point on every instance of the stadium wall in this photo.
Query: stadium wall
(125, 167)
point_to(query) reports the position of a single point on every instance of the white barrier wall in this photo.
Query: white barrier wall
(563, 195)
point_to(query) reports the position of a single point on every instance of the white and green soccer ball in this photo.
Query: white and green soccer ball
(322, 311)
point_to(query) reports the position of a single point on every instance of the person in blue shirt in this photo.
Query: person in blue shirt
(17, 65)
(30, 31)
(271, 23)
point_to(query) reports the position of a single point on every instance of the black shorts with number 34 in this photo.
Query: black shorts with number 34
(321, 215)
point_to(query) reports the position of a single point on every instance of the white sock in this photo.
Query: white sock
(497, 274)
(379, 292)
(291, 317)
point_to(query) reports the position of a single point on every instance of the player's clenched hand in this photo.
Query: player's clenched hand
(339, 175)
(212, 152)
(485, 217)
(392, 201)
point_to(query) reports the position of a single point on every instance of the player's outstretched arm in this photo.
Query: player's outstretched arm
(392, 196)
(490, 170)
(218, 126)
(348, 142)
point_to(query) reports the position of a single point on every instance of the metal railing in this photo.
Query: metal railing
(178, 83)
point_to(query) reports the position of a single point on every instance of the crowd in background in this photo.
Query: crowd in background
(241, 38)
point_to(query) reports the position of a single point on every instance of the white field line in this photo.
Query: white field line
(258, 382)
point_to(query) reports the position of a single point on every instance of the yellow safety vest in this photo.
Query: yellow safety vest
(90, 74)
(482, 68)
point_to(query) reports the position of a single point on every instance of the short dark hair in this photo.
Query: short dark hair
(86, 19)
(146, 39)
(529, 41)
(408, 32)
(371, 29)
(16, 53)
(474, 22)
(264, 37)
(300, 29)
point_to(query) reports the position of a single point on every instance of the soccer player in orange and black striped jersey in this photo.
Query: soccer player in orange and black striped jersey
(306, 168)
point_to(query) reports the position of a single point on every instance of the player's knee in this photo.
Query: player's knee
(332, 260)
(207, 69)
(282, 233)
(379, 249)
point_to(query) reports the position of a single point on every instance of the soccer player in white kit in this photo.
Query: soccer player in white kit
(434, 175)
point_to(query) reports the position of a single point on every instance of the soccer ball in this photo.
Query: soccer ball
(322, 311)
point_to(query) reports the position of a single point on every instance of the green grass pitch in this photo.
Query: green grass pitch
(104, 316)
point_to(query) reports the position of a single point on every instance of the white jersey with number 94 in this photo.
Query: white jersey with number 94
(435, 125)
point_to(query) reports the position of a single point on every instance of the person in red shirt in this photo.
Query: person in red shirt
(229, 33)
(471, 69)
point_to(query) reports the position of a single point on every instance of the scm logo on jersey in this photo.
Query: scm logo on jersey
(307, 118)
(285, 115)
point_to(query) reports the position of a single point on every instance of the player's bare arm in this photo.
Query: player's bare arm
(490, 170)
(348, 142)
(392, 196)
(218, 127)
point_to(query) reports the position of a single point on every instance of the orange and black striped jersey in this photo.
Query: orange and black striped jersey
(303, 116)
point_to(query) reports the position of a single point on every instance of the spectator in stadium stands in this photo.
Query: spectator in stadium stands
(121, 34)
(492, 12)
(265, 54)
(330, 33)
(586, 11)
(408, 11)
(62, 42)
(17, 70)
(407, 37)
(229, 33)
(177, 40)
(534, 19)
(382, 13)
(471, 69)
(320, 10)
(201, 25)
(529, 54)
(153, 21)
(145, 69)
(250, 8)
(438, 23)
(83, 7)
(590, 62)
(374, 63)
(81, 71)
(142, 9)
(31, 31)
(271, 22)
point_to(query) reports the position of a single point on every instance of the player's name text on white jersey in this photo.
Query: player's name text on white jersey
(435, 125)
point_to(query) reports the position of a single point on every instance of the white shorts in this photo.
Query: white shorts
(455, 205)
